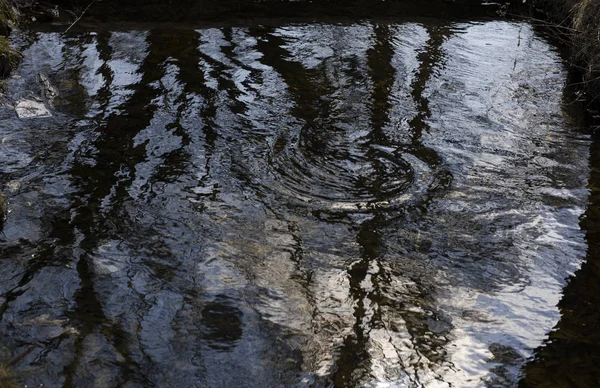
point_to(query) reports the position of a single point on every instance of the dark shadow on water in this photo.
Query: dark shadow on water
(354, 359)
(570, 357)
(222, 322)
(232, 11)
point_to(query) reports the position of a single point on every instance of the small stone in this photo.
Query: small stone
(27, 109)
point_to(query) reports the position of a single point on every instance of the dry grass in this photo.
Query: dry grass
(7, 379)
(585, 16)
(577, 22)
(8, 17)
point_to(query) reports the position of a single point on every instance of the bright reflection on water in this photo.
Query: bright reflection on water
(310, 205)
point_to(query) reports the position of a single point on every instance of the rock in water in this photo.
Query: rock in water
(48, 91)
(27, 109)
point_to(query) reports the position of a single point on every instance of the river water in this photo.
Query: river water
(369, 204)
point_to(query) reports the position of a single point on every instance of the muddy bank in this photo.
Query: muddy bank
(204, 10)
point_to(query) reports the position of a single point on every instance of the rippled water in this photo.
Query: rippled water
(369, 204)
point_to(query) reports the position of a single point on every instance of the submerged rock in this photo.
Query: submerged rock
(48, 91)
(27, 109)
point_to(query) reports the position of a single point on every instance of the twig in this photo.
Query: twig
(544, 23)
(587, 81)
(80, 16)
(20, 356)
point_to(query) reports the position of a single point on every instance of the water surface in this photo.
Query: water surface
(369, 204)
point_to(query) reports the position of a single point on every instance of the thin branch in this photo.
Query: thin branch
(20, 356)
(585, 82)
(544, 23)
(80, 16)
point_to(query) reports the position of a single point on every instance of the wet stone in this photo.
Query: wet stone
(31, 109)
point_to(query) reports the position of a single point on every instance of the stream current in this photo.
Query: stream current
(368, 204)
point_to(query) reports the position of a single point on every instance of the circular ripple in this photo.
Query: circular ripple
(349, 176)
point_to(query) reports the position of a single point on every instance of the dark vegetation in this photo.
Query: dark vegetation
(585, 17)
(9, 58)
(577, 22)
(194, 11)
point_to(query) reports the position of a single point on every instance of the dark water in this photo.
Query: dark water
(368, 204)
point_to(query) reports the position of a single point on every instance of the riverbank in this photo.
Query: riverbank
(9, 58)
(578, 21)
(586, 42)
